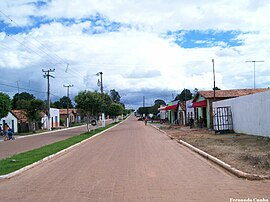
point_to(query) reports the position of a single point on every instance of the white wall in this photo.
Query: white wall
(54, 117)
(8, 119)
(251, 113)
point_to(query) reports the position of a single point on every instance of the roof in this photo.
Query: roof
(64, 111)
(228, 93)
(20, 115)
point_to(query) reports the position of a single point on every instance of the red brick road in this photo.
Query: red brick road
(130, 162)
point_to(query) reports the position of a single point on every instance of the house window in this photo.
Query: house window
(56, 120)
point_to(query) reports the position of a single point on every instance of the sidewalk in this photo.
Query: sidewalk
(247, 153)
(29, 142)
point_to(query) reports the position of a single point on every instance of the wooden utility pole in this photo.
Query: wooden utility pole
(68, 86)
(47, 75)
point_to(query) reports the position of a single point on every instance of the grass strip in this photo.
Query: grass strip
(18, 161)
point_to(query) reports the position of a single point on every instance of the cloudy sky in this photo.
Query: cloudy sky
(144, 48)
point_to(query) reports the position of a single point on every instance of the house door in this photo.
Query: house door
(52, 123)
(12, 125)
(175, 117)
(204, 117)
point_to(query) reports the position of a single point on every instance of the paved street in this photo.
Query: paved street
(26, 143)
(130, 162)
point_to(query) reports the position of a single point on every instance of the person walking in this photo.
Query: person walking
(200, 122)
(6, 127)
(191, 122)
(145, 120)
(1, 130)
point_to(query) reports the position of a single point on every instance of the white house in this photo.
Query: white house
(54, 119)
(11, 120)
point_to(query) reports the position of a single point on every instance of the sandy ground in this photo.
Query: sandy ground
(248, 153)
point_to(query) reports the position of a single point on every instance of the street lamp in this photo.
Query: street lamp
(100, 83)
(254, 61)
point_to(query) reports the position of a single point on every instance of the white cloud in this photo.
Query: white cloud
(142, 49)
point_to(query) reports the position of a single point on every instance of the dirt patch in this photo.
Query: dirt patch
(248, 153)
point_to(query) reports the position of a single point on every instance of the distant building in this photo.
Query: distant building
(71, 115)
(22, 123)
(11, 120)
(54, 119)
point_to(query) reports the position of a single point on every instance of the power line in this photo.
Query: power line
(55, 55)
(16, 87)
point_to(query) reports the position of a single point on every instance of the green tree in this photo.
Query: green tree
(56, 105)
(5, 105)
(19, 100)
(106, 102)
(115, 110)
(195, 92)
(89, 103)
(216, 88)
(157, 105)
(184, 95)
(62, 103)
(145, 110)
(33, 110)
(126, 112)
(115, 96)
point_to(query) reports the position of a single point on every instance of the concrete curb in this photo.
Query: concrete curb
(53, 131)
(17, 172)
(224, 165)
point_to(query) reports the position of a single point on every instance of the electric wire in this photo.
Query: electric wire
(27, 89)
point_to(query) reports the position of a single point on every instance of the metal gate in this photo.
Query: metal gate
(222, 120)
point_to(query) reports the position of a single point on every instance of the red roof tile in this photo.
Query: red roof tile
(64, 111)
(229, 93)
(21, 115)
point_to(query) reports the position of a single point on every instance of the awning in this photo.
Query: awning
(202, 103)
(161, 108)
(172, 107)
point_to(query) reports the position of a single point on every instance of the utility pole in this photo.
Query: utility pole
(47, 75)
(18, 87)
(18, 90)
(100, 83)
(143, 101)
(214, 79)
(254, 61)
(68, 86)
